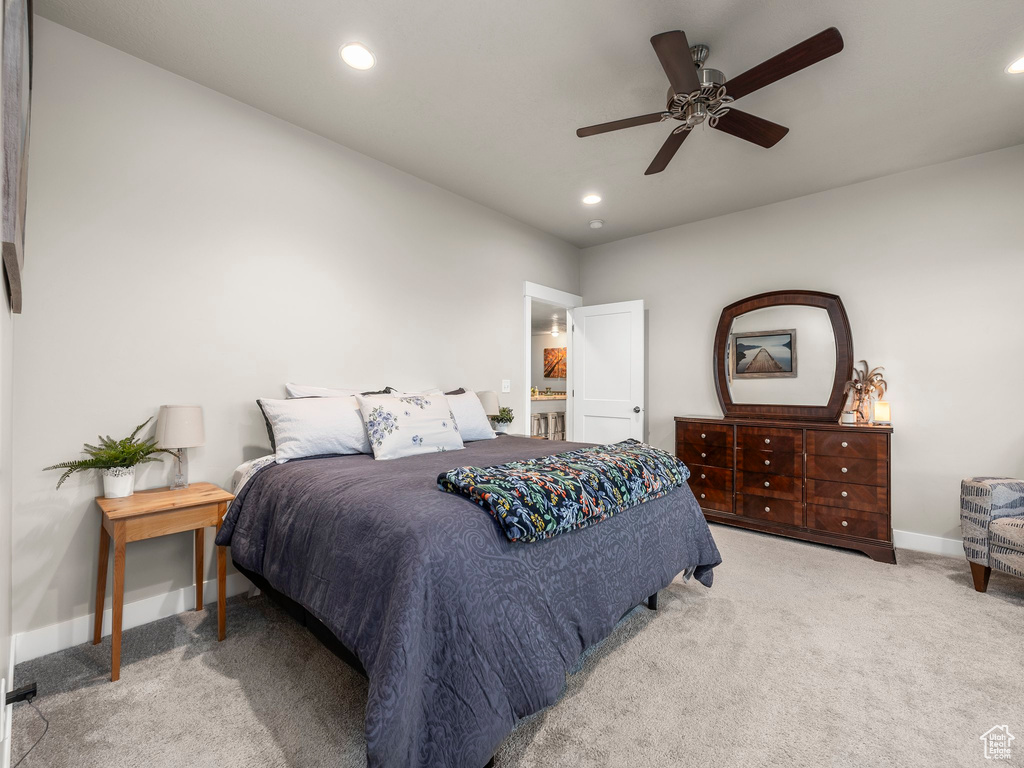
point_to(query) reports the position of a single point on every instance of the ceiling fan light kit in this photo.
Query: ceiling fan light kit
(699, 94)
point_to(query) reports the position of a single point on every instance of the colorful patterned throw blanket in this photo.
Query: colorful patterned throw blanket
(541, 498)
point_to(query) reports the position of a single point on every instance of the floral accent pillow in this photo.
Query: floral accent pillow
(409, 426)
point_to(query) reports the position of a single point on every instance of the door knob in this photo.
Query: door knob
(636, 409)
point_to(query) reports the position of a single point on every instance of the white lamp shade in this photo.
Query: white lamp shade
(490, 402)
(180, 426)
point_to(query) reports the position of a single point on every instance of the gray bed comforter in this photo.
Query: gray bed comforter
(461, 631)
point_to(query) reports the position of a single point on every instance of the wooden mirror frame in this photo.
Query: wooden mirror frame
(844, 356)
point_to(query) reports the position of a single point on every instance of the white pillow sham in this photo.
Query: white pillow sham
(409, 426)
(312, 426)
(469, 415)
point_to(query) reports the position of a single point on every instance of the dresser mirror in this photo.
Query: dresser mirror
(785, 354)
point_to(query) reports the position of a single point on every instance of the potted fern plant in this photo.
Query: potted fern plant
(117, 460)
(503, 419)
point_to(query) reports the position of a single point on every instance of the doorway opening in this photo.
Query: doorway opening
(547, 344)
(548, 361)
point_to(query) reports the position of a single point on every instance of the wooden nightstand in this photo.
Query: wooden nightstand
(146, 515)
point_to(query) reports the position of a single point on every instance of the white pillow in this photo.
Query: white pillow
(315, 425)
(469, 415)
(301, 390)
(408, 426)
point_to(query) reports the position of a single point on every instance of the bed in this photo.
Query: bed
(460, 631)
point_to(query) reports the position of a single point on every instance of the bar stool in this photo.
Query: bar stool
(552, 425)
(538, 424)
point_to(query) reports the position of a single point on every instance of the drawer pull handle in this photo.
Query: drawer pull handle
(845, 494)
(702, 436)
(703, 455)
(845, 444)
(844, 470)
(703, 477)
(766, 484)
(767, 509)
(702, 495)
(845, 523)
(767, 441)
(767, 463)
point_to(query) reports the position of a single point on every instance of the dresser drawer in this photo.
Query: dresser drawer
(767, 439)
(705, 434)
(843, 470)
(715, 478)
(853, 445)
(770, 462)
(772, 510)
(720, 501)
(869, 498)
(849, 522)
(706, 455)
(775, 486)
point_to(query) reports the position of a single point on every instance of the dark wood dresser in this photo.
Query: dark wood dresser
(817, 481)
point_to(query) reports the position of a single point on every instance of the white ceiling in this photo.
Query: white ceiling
(483, 98)
(544, 316)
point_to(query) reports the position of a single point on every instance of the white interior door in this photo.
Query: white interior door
(608, 372)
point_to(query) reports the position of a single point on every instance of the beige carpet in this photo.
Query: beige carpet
(800, 655)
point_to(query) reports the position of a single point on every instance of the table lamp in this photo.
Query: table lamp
(490, 402)
(881, 413)
(178, 428)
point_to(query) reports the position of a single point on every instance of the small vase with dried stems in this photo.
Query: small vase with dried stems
(867, 385)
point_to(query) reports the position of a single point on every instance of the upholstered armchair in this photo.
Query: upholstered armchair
(992, 522)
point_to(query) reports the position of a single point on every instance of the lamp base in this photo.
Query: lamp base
(180, 481)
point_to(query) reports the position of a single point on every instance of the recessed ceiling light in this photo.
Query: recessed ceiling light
(357, 56)
(591, 199)
(596, 223)
(1017, 67)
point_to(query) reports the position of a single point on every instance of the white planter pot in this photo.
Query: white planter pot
(501, 429)
(118, 482)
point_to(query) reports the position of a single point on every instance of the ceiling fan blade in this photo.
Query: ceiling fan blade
(616, 125)
(667, 152)
(810, 51)
(751, 128)
(674, 54)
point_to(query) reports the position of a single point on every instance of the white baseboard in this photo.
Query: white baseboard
(57, 637)
(921, 542)
(5, 737)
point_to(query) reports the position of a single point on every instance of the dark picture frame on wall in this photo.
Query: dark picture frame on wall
(16, 82)
(763, 354)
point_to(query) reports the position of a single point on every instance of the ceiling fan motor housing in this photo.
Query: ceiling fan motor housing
(708, 101)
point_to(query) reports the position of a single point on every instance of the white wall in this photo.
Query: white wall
(6, 470)
(185, 248)
(6, 533)
(930, 266)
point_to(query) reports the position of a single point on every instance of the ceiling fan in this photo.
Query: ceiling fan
(698, 93)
